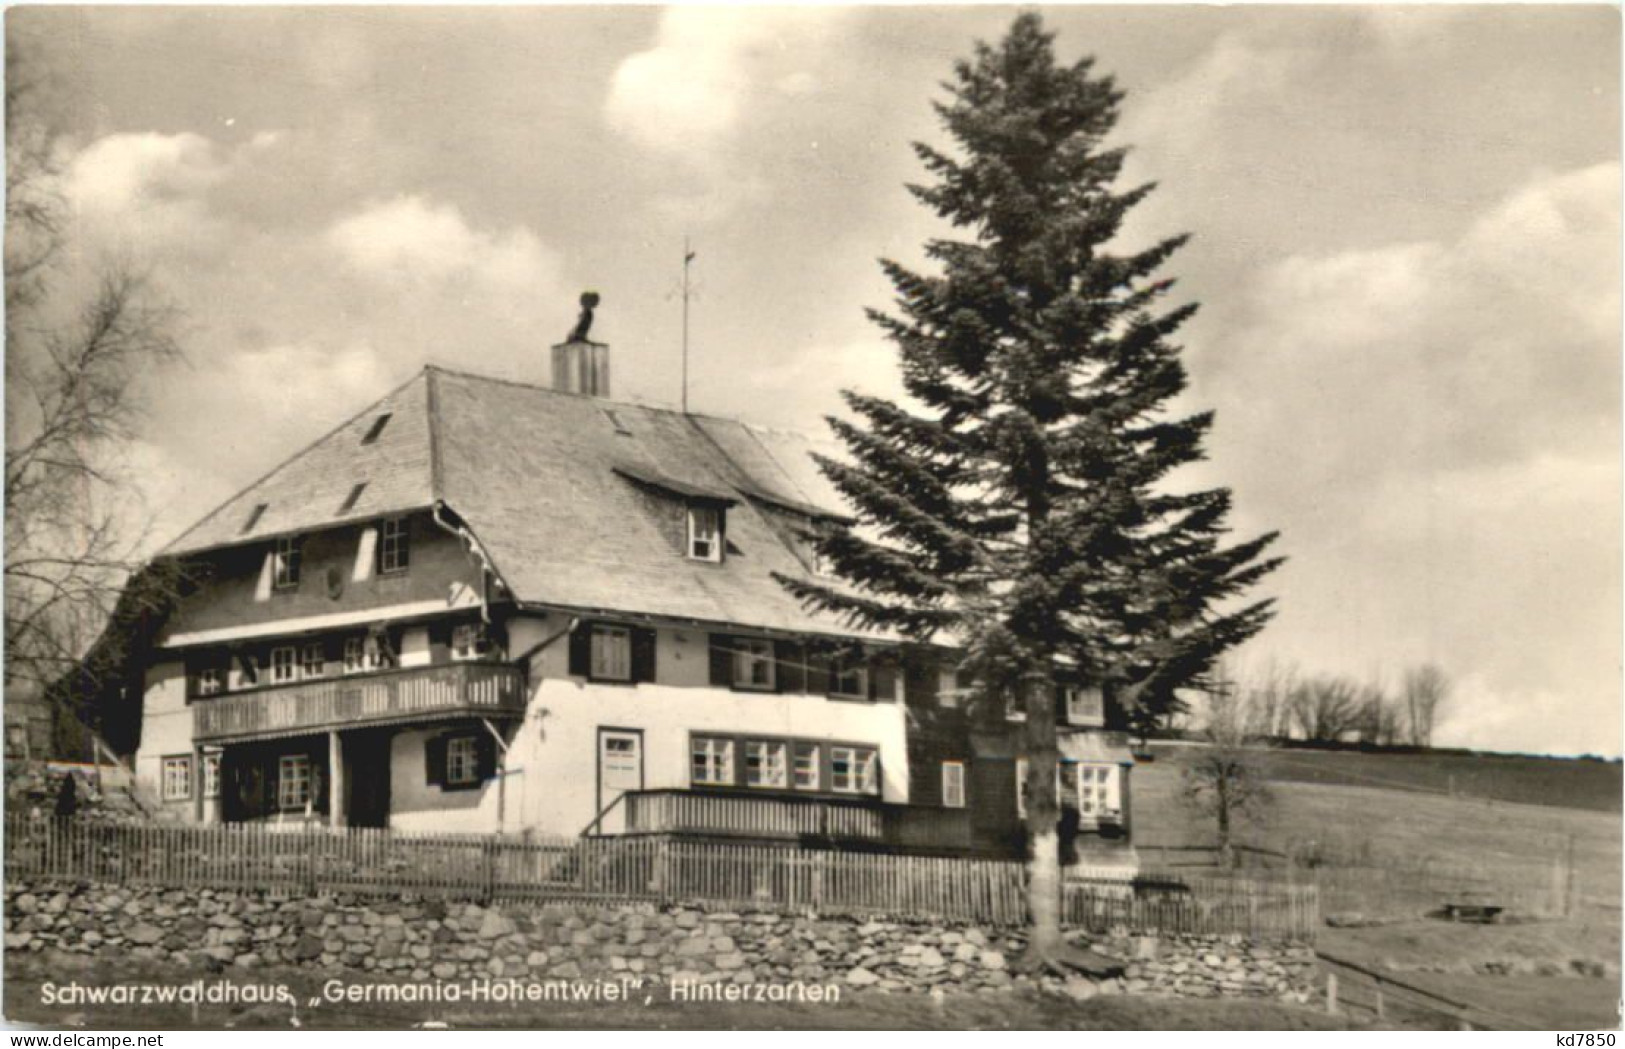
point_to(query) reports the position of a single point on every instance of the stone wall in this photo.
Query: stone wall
(424, 940)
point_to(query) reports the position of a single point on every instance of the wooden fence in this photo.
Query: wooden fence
(655, 869)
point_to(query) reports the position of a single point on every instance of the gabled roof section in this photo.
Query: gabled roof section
(309, 490)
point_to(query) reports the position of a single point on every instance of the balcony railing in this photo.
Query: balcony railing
(781, 817)
(480, 689)
(751, 816)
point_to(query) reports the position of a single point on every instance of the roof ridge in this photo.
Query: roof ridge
(520, 383)
(273, 471)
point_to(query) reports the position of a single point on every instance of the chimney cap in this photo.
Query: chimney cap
(589, 302)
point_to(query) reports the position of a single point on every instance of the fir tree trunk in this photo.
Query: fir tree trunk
(1044, 944)
(1226, 856)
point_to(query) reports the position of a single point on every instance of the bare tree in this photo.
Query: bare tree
(1423, 694)
(1265, 695)
(1325, 708)
(73, 371)
(1379, 718)
(1225, 779)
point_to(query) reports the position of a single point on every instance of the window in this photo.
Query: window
(753, 663)
(312, 660)
(1098, 791)
(394, 546)
(355, 655)
(954, 688)
(283, 668)
(704, 533)
(376, 428)
(712, 761)
(211, 775)
(611, 653)
(177, 779)
(1092, 789)
(1015, 707)
(380, 652)
(211, 681)
(293, 782)
(953, 784)
(462, 761)
(848, 676)
(852, 770)
(353, 498)
(808, 771)
(764, 764)
(469, 641)
(1085, 706)
(285, 575)
(254, 516)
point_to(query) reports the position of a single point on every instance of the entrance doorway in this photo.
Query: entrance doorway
(366, 778)
(620, 769)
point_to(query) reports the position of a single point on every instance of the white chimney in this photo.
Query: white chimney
(579, 364)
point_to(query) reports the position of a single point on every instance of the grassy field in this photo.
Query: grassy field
(1526, 779)
(1359, 818)
(1385, 809)
(855, 1011)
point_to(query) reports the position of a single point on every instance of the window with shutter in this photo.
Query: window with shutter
(611, 653)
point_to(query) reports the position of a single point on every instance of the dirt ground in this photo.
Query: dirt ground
(25, 980)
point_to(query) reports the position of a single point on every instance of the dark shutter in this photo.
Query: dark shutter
(883, 679)
(486, 751)
(643, 654)
(818, 683)
(581, 649)
(439, 643)
(434, 761)
(722, 670)
(791, 673)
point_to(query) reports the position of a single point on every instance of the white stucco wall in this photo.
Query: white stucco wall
(553, 760)
(416, 804)
(166, 731)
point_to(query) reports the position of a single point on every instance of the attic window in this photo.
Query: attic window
(254, 516)
(705, 533)
(377, 427)
(354, 496)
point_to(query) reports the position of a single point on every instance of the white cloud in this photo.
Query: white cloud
(1439, 442)
(128, 172)
(689, 93)
(413, 239)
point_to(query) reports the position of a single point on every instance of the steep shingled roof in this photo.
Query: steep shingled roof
(307, 491)
(547, 482)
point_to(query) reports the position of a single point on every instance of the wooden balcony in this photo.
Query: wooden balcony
(472, 689)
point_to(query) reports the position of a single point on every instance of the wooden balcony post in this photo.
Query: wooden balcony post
(335, 779)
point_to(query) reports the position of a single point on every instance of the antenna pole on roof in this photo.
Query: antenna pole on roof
(688, 258)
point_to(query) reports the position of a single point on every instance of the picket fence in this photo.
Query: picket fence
(789, 878)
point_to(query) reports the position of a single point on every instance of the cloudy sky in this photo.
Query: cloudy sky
(1407, 233)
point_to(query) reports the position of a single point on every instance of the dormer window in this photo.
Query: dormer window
(705, 534)
(377, 428)
(254, 516)
(286, 569)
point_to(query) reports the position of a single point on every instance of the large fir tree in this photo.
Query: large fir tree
(1017, 509)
